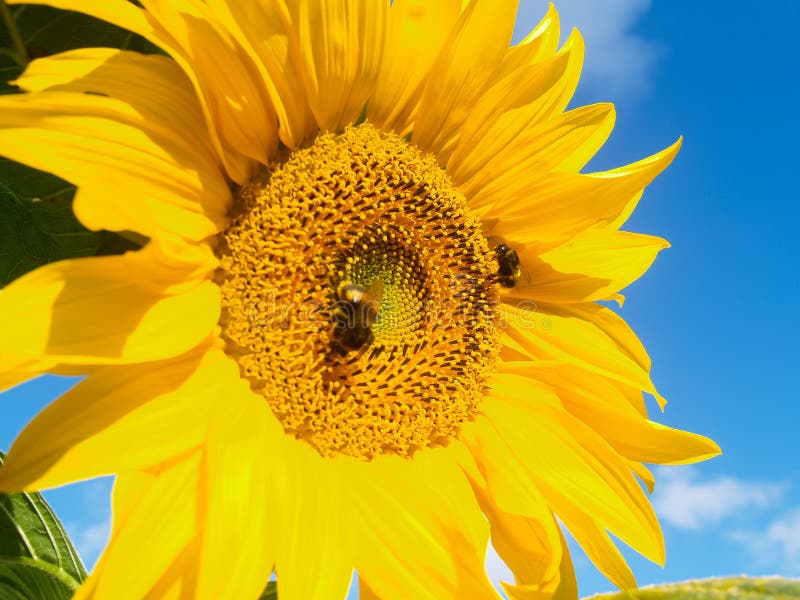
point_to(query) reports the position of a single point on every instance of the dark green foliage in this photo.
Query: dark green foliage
(37, 225)
(47, 31)
(37, 560)
(270, 592)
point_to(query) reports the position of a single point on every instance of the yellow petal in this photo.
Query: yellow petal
(89, 311)
(416, 31)
(120, 418)
(501, 125)
(539, 44)
(566, 377)
(341, 42)
(129, 488)
(179, 580)
(221, 105)
(226, 80)
(647, 441)
(568, 585)
(550, 208)
(458, 76)
(607, 410)
(600, 549)
(512, 351)
(585, 335)
(111, 309)
(529, 544)
(89, 585)
(421, 533)
(15, 371)
(562, 140)
(264, 30)
(162, 184)
(614, 326)
(240, 460)
(153, 85)
(119, 12)
(316, 512)
(161, 525)
(667, 155)
(572, 467)
(365, 592)
(644, 474)
(634, 396)
(524, 531)
(595, 265)
(17, 374)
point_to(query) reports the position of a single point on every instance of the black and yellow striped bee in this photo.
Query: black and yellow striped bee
(509, 267)
(354, 312)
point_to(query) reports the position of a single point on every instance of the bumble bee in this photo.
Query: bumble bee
(509, 268)
(354, 312)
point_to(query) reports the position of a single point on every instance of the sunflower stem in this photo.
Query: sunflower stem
(21, 53)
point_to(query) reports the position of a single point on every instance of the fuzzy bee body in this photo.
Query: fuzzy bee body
(509, 268)
(355, 311)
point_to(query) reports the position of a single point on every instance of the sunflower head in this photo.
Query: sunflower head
(359, 296)
(368, 315)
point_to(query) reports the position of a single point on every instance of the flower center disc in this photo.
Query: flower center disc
(359, 296)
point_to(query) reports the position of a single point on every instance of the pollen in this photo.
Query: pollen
(359, 296)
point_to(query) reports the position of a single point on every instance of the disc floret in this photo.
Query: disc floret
(318, 232)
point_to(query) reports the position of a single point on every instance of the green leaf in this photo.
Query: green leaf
(732, 588)
(36, 230)
(37, 559)
(37, 225)
(31, 185)
(270, 592)
(45, 31)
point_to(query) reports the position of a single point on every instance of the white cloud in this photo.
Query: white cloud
(92, 540)
(618, 60)
(90, 535)
(778, 545)
(683, 501)
(89, 540)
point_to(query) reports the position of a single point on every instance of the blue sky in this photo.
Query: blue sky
(715, 311)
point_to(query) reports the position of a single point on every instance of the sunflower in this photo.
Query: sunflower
(363, 330)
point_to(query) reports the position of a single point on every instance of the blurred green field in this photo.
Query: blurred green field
(733, 588)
